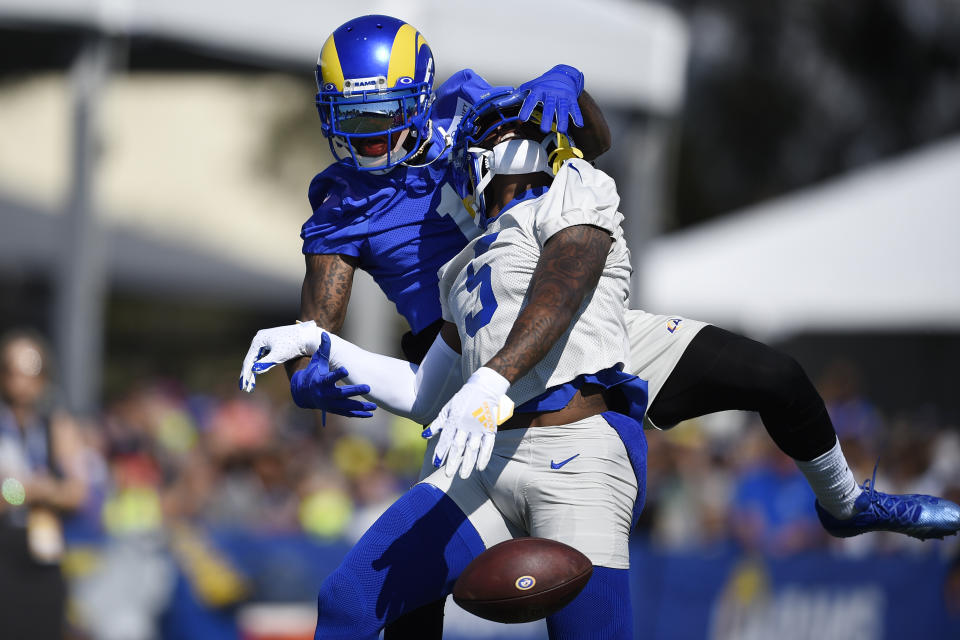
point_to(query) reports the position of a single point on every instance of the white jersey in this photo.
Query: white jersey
(484, 287)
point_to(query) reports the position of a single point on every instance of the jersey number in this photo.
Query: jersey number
(488, 304)
(452, 206)
(481, 278)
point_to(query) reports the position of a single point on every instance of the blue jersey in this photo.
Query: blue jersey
(401, 225)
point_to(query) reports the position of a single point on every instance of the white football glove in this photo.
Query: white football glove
(467, 424)
(271, 347)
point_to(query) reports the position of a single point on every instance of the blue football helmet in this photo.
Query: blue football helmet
(481, 150)
(375, 85)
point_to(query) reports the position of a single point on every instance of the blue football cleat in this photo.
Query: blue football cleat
(915, 515)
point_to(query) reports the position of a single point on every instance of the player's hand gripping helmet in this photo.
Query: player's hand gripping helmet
(480, 150)
(375, 82)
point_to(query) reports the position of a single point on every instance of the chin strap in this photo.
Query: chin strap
(563, 152)
(432, 147)
(564, 149)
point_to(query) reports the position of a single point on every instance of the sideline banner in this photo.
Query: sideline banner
(730, 596)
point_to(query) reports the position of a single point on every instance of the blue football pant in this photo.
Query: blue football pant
(602, 611)
(412, 556)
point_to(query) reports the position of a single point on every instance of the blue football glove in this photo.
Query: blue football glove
(316, 388)
(558, 90)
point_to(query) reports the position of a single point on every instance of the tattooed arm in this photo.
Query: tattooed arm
(569, 268)
(326, 292)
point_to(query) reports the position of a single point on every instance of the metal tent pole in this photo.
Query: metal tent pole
(80, 286)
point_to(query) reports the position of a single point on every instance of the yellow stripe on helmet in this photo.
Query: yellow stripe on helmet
(403, 56)
(330, 69)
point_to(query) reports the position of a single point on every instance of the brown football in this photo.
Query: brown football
(522, 579)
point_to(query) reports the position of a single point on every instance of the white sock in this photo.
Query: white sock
(832, 482)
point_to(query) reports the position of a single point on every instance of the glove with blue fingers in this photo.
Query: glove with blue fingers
(558, 90)
(316, 387)
(271, 347)
(468, 423)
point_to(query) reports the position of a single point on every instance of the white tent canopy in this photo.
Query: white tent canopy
(633, 53)
(877, 249)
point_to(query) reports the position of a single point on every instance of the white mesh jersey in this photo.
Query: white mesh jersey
(483, 288)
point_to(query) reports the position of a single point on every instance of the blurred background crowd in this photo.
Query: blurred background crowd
(153, 172)
(169, 484)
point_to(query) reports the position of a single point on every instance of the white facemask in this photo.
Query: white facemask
(512, 157)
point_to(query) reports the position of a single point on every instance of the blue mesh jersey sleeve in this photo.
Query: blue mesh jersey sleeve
(402, 226)
(338, 223)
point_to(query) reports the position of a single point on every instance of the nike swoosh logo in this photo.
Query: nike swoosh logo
(557, 465)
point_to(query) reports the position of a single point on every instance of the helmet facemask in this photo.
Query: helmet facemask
(493, 141)
(374, 129)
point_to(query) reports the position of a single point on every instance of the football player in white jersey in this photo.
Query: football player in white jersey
(568, 460)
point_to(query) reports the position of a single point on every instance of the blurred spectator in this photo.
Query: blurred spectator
(325, 504)
(42, 467)
(857, 420)
(692, 488)
(772, 508)
(373, 492)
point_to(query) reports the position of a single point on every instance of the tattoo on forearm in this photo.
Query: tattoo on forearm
(326, 291)
(325, 295)
(568, 270)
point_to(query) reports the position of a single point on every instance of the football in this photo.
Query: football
(521, 580)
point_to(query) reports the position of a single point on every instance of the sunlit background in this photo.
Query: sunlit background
(788, 169)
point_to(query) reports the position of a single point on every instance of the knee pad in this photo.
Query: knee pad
(783, 381)
(792, 410)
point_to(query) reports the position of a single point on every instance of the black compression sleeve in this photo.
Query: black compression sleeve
(721, 370)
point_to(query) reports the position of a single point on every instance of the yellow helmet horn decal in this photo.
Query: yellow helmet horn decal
(330, 69)
(403, 57)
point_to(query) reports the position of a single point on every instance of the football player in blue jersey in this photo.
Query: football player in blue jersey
(387, 206)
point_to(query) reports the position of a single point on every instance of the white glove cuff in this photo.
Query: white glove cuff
(341, 351)
(490, 380)
(309, 334)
